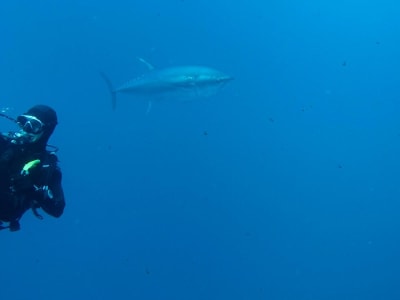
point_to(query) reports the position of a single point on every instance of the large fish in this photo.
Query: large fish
(193, 80)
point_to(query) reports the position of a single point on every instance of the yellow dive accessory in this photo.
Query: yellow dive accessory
(28, 166)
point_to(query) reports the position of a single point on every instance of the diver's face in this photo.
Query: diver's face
(31, 129)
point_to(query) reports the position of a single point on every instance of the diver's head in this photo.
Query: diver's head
(37, 125)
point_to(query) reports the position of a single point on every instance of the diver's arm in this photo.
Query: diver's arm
(7, 152)
(52, 201)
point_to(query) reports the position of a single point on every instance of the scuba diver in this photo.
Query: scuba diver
(29, 174)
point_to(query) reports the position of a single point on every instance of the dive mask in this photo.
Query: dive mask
(31, 130)
(30, 124)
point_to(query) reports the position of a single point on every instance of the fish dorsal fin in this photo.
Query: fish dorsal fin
(148, 65)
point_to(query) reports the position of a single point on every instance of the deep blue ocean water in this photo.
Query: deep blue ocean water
(284, 185)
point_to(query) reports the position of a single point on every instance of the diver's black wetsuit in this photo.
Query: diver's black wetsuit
(40, 188)
(29, 179)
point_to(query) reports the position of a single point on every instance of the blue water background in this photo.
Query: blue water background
(285, 185)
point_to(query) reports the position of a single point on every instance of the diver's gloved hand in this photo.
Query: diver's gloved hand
(47, 193)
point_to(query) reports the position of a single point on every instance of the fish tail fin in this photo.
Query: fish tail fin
(111, 89)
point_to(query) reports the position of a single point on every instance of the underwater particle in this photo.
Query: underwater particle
(5, 109)
(377, 42)
(344, 63)
(205, 132)
(340, 166)
(272, 120)
(306, 107)
(147, 271)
